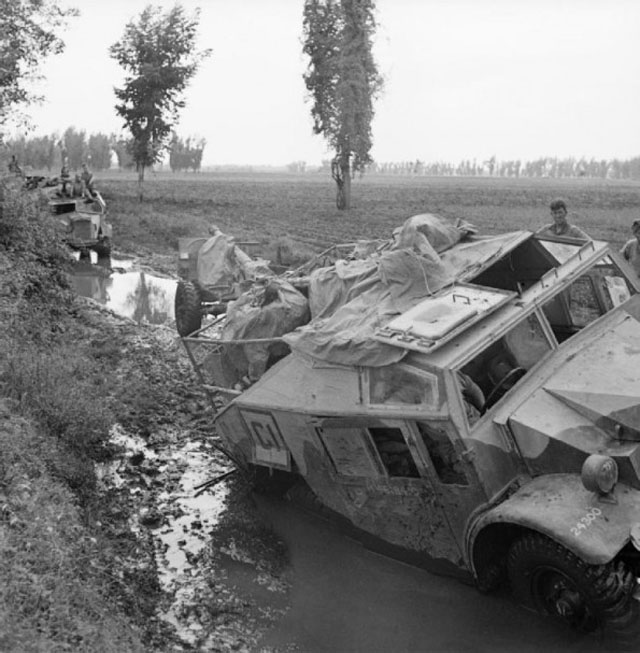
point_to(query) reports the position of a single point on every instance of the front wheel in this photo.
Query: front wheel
(187, 309)
(553, 581)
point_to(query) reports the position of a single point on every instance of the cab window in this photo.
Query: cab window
(501, 365)
(597, 291)
(394, 452)
(402, 385)
(373, 452)
(446, 461)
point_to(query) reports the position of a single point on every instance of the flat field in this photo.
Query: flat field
(270, 207)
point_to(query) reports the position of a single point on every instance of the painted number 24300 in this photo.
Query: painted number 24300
(584, 522)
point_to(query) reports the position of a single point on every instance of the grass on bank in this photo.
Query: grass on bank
(60, 585)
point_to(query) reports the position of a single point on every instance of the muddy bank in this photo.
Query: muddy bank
(222, 576)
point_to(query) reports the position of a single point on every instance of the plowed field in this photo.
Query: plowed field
(269, 206)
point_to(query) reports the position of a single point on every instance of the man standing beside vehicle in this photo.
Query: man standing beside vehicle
(560, 225)
(631, 249)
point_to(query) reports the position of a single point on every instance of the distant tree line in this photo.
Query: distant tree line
(553, 167)
(186, 154)
(48, 152)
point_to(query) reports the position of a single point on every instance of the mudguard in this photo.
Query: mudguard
(558, 505)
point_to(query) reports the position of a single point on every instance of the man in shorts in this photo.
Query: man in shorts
(560, 226)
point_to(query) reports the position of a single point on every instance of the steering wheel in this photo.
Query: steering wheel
(513, 375)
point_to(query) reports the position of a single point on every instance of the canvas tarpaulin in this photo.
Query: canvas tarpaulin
(358, 297)
(267, 311)
(351, 299)
(426, 234)
(221, 263)
(401, 277)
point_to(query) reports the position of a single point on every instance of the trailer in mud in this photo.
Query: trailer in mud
(469, 404)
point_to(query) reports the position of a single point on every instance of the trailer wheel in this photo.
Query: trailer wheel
(553, 581)
(187, 308)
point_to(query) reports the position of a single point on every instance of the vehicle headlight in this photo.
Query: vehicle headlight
(599, 473)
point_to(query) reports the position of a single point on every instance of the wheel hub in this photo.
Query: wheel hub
(568, 604)
(562, 599)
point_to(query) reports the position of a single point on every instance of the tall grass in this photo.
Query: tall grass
(60, 587)
(53, 576)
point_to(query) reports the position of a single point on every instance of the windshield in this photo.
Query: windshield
(598, 290)
(499, 367)
(559, 250)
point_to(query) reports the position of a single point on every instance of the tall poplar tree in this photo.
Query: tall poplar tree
(343, 81)
(159, 57)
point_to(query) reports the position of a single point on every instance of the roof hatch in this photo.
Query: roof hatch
(438, 319)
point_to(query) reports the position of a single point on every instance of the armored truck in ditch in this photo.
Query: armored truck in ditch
(470, 403)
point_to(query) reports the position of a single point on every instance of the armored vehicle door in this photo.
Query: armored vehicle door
(448, 463)
(385, 479)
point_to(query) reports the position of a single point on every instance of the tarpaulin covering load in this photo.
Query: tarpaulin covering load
(427, 231)
(425, 234)
(351, 299)
(401, 278)
(348, 300)
(267, 311)
(222, 263)
(336, 285)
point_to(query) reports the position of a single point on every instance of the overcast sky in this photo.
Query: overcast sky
(464, 79)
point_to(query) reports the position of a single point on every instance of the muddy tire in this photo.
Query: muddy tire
(187, 308)
(551, 580)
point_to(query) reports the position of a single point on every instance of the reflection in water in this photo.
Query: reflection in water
(148, 301)
(134, 294)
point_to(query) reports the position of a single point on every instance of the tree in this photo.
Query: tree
(186, 155)
(343, 81)
(123, 148)
(99, 151)
(159, 57)
(75, 146)
(27, 35)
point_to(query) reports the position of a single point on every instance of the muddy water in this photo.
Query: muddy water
(129, 292)
(164, 485)
(349, 599)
